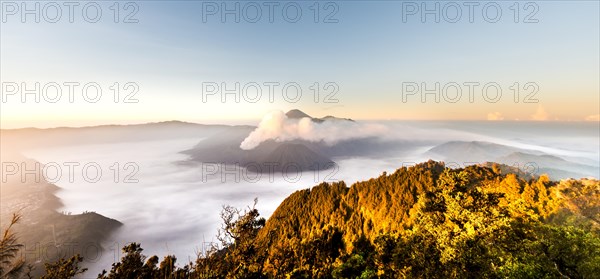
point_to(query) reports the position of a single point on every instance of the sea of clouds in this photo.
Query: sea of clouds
(173, 207)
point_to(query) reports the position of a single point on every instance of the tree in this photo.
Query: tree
(238, 236)
(420, 222)
(64, 268)
(10, 265)
(555, 252)
(239, 255)
(583, 198)
(459, 228)
(316, 256)
(359, 264)
(132, 265)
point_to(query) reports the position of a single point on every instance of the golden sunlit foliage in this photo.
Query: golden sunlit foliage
(425, 221)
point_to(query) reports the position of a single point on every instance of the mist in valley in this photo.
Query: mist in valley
(170, 204)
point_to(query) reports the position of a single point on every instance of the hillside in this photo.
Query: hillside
(555, 167)
(378, 205)
(21, 139)
(292, 157)
(425, 221)
(394, 206)
(297, 114)
(532, 161)
(474, 151)
(224, 147)
(47, 234)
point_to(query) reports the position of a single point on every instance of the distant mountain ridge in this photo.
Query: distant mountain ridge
(224, 147)
(533, 161)
(298, 114)
(35, 137)
(474, 151)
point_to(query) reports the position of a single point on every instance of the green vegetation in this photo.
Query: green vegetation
(425, 221)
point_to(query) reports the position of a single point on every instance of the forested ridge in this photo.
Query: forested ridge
(424, 221)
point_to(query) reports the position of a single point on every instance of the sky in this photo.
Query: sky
(194, 61)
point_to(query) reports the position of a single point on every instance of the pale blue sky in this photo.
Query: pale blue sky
(369, 53)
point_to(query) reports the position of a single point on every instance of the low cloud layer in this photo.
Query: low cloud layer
(540, 114)
(277, 126)
(595, 117)
(495, 116)
(189, 205)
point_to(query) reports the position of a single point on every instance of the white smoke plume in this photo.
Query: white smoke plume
(277, 126)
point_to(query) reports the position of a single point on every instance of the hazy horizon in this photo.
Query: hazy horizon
(369, 60)
(254, 122)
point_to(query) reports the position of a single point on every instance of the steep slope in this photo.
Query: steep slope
(378, 205)
(296, 157)
(425, 221)
(47, 234)
(296, 114)
(223, 147)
